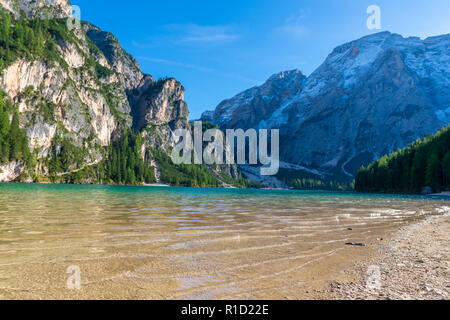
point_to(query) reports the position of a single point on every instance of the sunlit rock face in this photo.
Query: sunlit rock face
(126, 67)
(88, 97)
(39, 8)
(369, 98)
(253, 107)
(161, 103)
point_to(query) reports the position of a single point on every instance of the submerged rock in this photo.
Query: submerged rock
(355, 244)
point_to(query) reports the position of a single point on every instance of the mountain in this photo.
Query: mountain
(38, 8)
(76, 107)
(251, 107)
(423, 167)
(370, 97)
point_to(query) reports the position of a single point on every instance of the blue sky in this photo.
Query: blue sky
(220, 48)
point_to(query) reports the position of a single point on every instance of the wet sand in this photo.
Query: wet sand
(171, 243)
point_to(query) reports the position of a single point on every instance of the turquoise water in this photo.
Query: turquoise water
(132, 190)
(148, 242)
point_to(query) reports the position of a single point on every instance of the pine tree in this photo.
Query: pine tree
(5, 32)
(446, 169)
(418, 172)
(424, 163)
(4, 134)
(433, 172)
(14, 137)
(4, 124)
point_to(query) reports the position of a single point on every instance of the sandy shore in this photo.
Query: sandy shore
(414, 264)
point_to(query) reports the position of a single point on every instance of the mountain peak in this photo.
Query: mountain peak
(287, 74)
(251, 108)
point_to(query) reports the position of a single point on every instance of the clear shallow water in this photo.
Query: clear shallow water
(175, 243)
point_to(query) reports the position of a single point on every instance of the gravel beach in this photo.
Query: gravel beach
(413, 265)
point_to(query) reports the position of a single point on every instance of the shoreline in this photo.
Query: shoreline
(156, 185)
(442, 194)
(413, 264)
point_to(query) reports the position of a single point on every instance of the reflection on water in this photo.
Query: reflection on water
(175, 243)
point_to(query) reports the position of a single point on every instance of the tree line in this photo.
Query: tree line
(316, 184)
(13, 140)
(425, 163)
(125, 164)
(23, 38)
(186, 175)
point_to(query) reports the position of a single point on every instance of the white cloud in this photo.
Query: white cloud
(299, 16)
(193, 33)
(212, 38)
(175, 63)
(142, 45)
(202, 69)
(294, 25)
(293, 30)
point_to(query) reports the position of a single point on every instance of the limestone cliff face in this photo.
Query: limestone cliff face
(78, 107)
(39, 8)
(158, 111)
(158, 105)
(76, 92)
(10, 171)
(85, 97)
(161, 102)
(125, 66)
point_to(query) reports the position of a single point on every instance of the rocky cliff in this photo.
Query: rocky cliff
(370, 97)
(156, 104)
(160, 102)
(66, 98)
(123, 64)
(75, 107)
(39, 8)
(74, 89)
(253, 107)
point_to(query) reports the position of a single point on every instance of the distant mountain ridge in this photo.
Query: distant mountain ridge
(249, 108)
(370, 97)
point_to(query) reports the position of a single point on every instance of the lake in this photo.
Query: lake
(188, 243)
